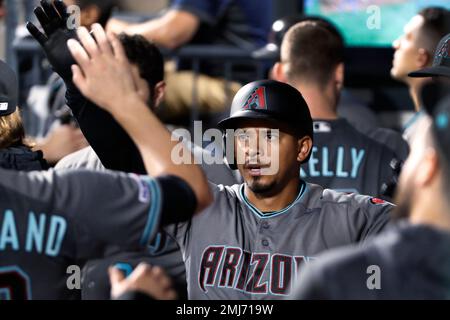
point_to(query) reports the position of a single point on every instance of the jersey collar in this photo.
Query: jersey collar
(266, 215)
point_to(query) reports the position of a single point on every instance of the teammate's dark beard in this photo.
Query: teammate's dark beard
(403, 200)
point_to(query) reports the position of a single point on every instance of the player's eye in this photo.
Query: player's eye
(272, 136)
(243, 137)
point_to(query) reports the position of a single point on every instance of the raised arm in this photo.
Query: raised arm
(172, 30)
(103, 75)
(112, 144)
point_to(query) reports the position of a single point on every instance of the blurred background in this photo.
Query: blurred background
(368, 56)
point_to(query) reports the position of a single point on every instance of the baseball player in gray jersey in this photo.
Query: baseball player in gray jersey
(254, 238)
(252, 242)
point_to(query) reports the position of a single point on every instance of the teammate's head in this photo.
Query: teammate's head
(415, 48)
(312, 55)
(148, 68)
(93, 11)
(425, 180)
(272, 137)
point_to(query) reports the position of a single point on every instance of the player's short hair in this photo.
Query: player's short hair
(312, 52)
(147, 57)
(105, 6)
(436, 25)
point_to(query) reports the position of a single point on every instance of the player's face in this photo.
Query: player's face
(266, 157)
(407, 186)
(406, 50)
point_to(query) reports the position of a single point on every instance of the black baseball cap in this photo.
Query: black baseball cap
(8, 90)
(441, 62)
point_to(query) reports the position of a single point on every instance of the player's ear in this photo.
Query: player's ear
(159, 92)
(278, 72)
(428, 169)
(339, 76)
(424, 58)
(305, 145)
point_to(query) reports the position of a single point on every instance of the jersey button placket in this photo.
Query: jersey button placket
(264, 229)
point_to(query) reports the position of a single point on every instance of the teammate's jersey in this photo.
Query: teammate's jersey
(50, 221)
(344, 159)
(409, 262)
(163, 252)
(234, 251)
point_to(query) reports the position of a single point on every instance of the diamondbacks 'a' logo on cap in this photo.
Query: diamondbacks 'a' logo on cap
(257, 100)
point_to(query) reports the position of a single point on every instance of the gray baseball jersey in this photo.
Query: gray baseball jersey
(51, 220)
(234, 251)
(347, 160)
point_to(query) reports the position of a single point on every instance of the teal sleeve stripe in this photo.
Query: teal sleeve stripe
(154, 211)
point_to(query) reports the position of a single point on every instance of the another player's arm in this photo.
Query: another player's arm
(112, 144)
(172, 30)
(103, 75)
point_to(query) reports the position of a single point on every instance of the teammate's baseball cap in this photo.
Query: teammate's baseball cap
(441, 62)
(8, 90)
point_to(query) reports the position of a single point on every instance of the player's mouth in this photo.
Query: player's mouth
(255, 170)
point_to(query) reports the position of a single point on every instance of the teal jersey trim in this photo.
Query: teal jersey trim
(262, 215)
(154, 210)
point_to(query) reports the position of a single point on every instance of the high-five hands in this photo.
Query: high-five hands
(103, 73)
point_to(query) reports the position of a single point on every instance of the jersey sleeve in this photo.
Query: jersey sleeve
(369, 216)
(111, 208)
(120, 209)
(112, 144)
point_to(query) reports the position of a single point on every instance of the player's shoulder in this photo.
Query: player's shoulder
(329, 195)
(85, 158)
(230, 192)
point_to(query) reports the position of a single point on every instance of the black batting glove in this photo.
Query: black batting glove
(53, 17)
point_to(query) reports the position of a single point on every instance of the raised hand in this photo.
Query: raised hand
(53, 17)
(103, 74)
